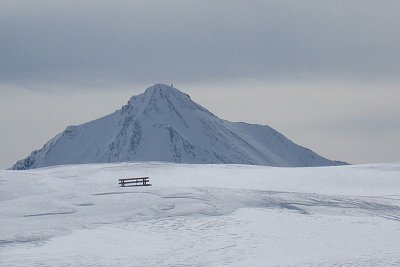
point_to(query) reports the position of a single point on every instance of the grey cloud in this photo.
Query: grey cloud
(146, 41)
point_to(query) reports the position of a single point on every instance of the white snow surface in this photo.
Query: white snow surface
(164, 124)
(201, 215)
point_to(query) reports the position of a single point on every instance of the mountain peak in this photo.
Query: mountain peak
(164, 89)
(162, 100)
(159, 87)
(159, 93)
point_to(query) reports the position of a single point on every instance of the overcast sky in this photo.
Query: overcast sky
(324, 73)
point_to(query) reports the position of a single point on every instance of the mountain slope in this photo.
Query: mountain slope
(164, 124)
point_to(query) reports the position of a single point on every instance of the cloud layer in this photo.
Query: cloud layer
(191, 40)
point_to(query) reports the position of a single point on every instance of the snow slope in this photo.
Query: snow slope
(201, 215)
(164, 124)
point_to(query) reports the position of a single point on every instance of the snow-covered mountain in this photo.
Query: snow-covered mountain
(164, 124)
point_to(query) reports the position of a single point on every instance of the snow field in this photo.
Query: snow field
(201, 215)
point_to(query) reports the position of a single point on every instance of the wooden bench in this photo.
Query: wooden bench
(140, 181)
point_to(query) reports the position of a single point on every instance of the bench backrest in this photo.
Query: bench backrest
(134, 181)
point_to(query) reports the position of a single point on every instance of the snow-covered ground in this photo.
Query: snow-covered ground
(201, 215)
